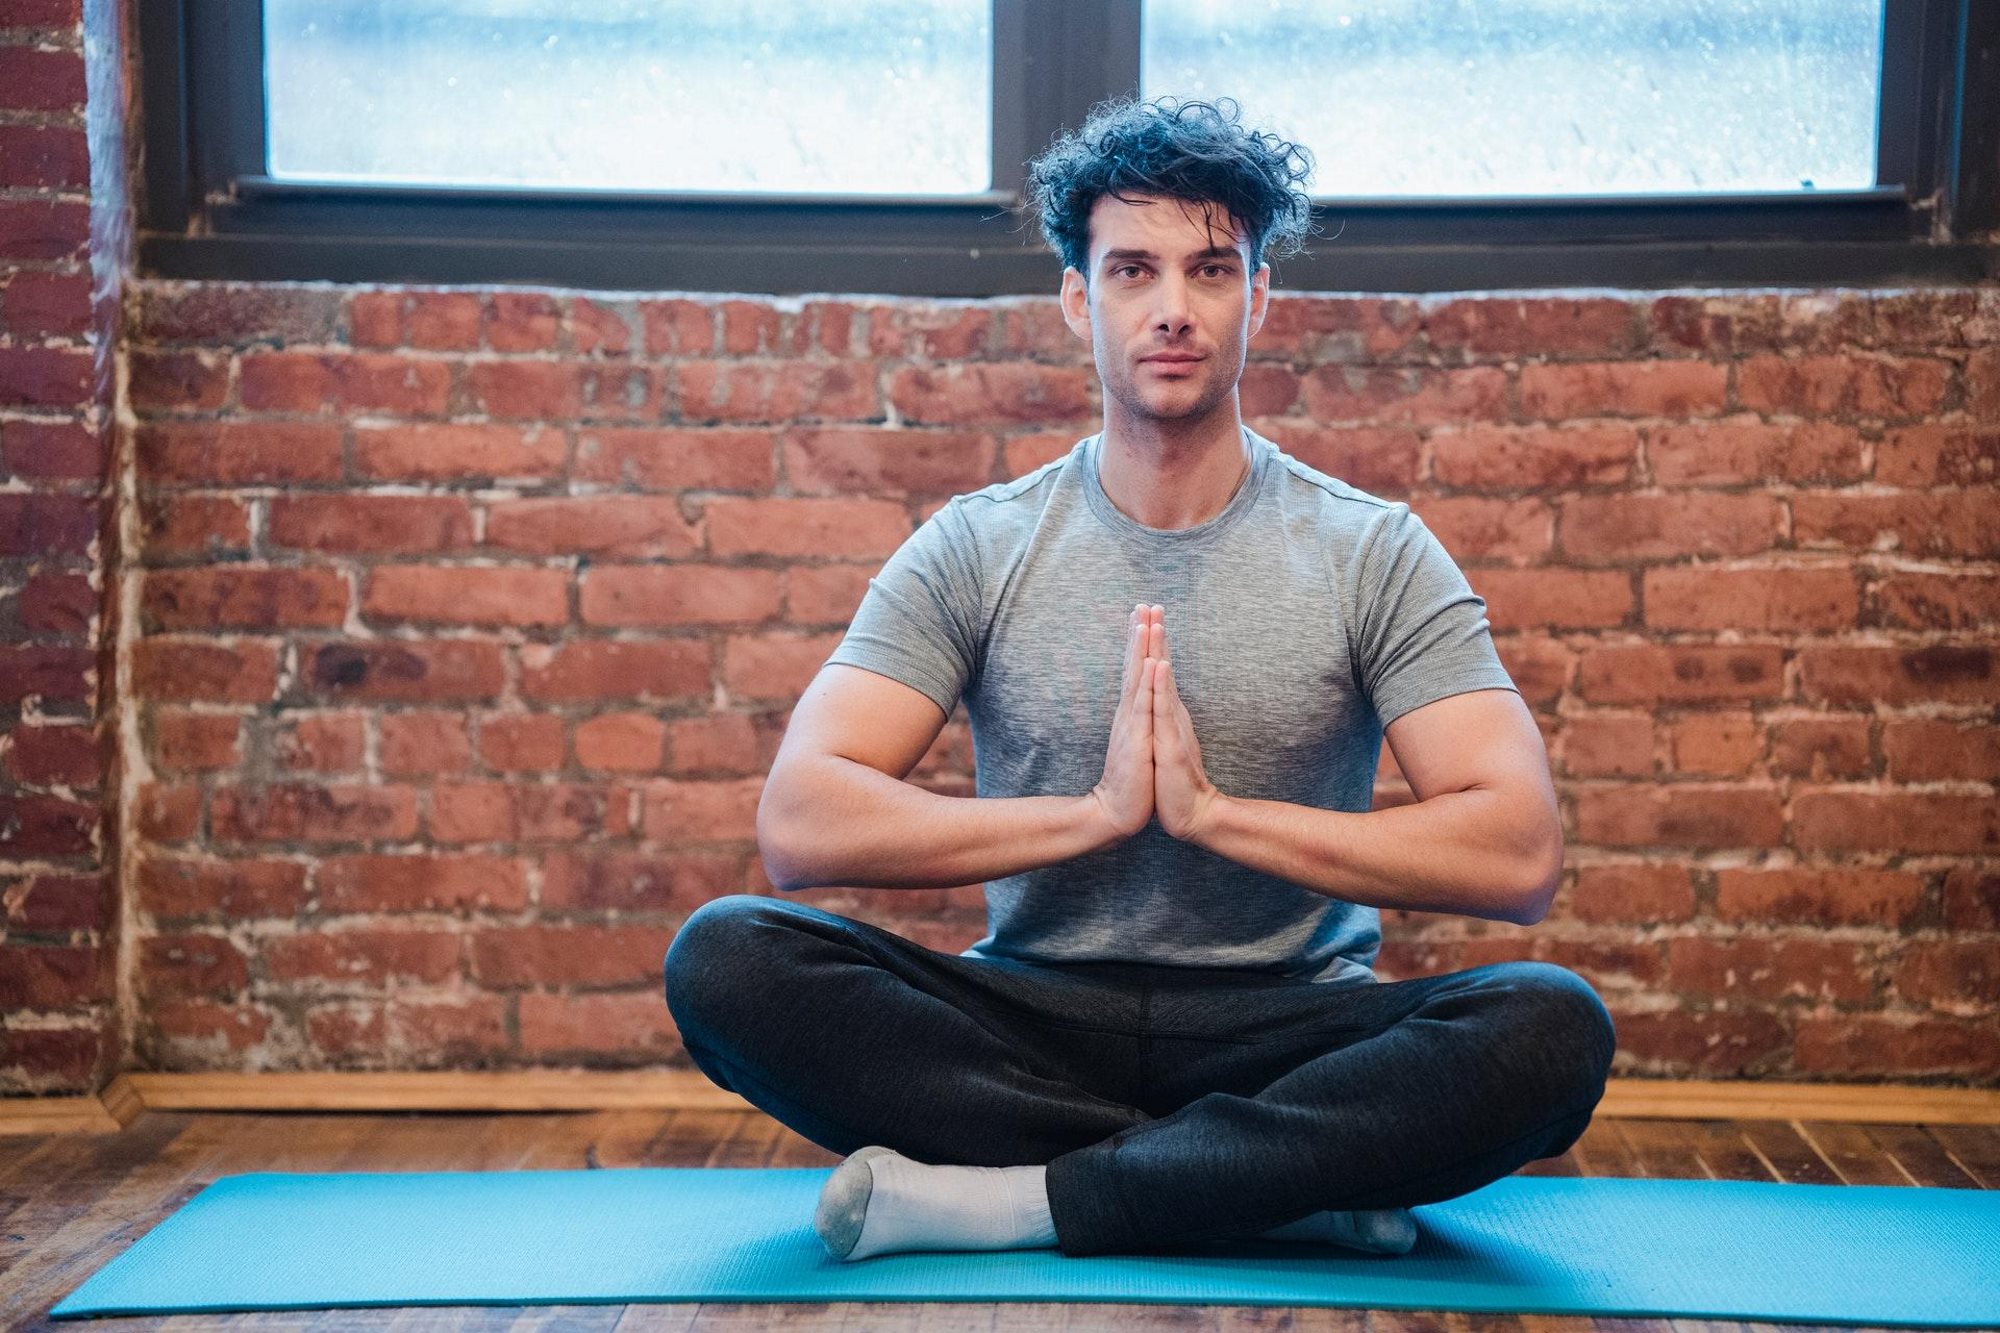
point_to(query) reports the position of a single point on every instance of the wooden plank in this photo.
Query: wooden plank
(1602, 1151)
(1663, 1149)
(1920, 1156)
(1724, 1153)
(1757, 1099)
(1976, 1149)
(56, 1115)
(1855, 1157)
(1791, 1157)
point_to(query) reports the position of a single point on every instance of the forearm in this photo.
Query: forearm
(858, 827)
(1458, 852)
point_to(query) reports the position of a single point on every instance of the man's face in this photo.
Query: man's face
(1168, 279)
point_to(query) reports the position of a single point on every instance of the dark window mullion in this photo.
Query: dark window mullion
(225, 41)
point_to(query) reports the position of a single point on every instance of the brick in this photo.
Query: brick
(191, 525)
(703, 811)
(191, 964)
(601, 328)
(53, 450)
(522, 322)
(1705, 597)
(189, 742)
(1644, 673)
(237, 453)
(1820, 747)
(458, 453)
(321, 743)
(1418, 396)
(521, 742)
(35, 827)
(1477, 528)
(46, 525)
(56, 1060)
(408, 671)
(1894, 821)
(44, 376)
(1960, 975)
(1723, 744)
(475, 812)
(44, 157)
(1562, 392)
(629, 1027)
(1680, 815)
(876, 461)
(37, 80)
(168, 812)
(674, 595)
(1869, 386)
(1937, 454)
(1556, 598)
(1818, 896)
(786, 391)
(41, 304)
(676, 459)
(1630, 894)
(362, 957)
(1897, 675)
(1928, 750)
(177, 381)
(1033, 326)
(1821, 971)
(372, 524)
(1968, 599)
(827, 595)
(186, 670)
(1679, 1041)
(329, 383)
(48, 756)
(1383, 461)
(569, 955)
(54, 903)
(409, 744)
(1742, 450)
(676, 882)
(1866, 1044)
(1946, 524)
(775, 667)
(626, 525)
(241, 597)
(313, 812)
(56, 977)
(830, 528)
(184, 1031)
(52, 603)
(1501, 328)
(1604, 746)
(1972, 898)
(1541, 458)
(525, 390)
(932, 330)
(375, 319)
(420, 883)
(467, 595)
(677, 327)
(1609, 965)
(1625, 528)
(443, 321)
(181, 889)
(44, 230)
(621, 743)
(234, 314)
(717, 744)
(593, 669)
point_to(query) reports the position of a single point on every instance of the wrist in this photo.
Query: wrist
(1098, 832)
(1214, 815)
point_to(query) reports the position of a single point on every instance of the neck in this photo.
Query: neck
(1173, 474)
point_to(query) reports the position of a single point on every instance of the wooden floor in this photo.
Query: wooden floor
(70, 1203)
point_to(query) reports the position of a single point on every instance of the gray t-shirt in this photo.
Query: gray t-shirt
(1302, 619)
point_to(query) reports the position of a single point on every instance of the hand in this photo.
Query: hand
(1183, 797)
(1126, 790)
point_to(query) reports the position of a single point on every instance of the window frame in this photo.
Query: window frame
(209, 211)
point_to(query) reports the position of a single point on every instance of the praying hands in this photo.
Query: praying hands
(1153, 763)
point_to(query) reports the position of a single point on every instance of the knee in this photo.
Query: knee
(712, 958)
(1569, 1021)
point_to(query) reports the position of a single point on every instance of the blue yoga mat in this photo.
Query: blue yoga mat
(1713, 1249)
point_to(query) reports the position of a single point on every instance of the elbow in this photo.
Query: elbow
(779, 868)
(1533, 900)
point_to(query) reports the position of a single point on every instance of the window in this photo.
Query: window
(880, 145)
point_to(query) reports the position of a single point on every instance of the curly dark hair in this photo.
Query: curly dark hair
(1194, 151)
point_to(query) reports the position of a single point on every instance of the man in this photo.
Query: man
(1171, 1033)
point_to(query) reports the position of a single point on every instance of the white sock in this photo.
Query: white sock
(880, 1202)
(1379, 1230)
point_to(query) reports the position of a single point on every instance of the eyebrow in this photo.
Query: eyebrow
(1213, 252)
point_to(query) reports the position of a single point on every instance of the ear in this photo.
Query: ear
(1075, 303)
(1260, 297)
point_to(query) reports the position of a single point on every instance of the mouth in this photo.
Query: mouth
(1171, 364)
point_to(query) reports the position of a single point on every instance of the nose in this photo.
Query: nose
(1171, 293)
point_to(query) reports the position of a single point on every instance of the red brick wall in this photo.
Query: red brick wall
(471, 621)
(63, 213)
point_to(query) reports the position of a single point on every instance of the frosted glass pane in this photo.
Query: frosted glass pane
(1540, 97)
(847, 96)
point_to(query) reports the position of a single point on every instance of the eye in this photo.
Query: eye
(1123, 269)
(1220, 270)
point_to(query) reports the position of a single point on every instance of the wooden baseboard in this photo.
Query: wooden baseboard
(130, 1094)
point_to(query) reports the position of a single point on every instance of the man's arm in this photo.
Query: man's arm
(1484, 837)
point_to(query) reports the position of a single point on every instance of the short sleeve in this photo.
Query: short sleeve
(918, 621)
(1423, 633)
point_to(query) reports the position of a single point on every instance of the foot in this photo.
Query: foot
(879, 1202)
(1377, 1230)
